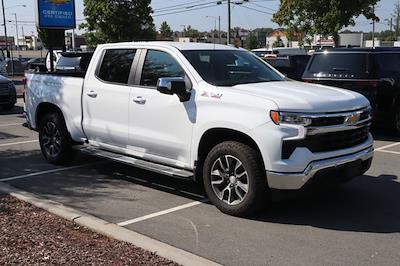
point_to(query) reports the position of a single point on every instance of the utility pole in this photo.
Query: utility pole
(5, 29)
(73, 40)
(219, 29)
(16, 29)
(228, 36)
(373, 28)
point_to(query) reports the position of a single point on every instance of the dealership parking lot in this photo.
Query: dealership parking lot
(355, 224)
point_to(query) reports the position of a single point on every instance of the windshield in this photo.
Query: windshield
(230, 67)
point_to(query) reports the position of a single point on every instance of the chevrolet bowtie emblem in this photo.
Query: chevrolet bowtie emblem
(352, 119)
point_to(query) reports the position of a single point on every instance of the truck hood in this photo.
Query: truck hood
(296, 96)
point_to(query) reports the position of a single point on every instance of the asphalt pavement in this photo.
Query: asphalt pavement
(357, 223)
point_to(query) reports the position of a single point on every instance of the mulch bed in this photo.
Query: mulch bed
(29, 235)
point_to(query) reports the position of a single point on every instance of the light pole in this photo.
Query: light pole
(5, 28)
(16, 29)
(215, 27)
(5, 24)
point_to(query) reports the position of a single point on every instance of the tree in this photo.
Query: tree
(165, 30)
(117, 21)
(252, 42)
(325, 17)
(278, 42)
(190, 32)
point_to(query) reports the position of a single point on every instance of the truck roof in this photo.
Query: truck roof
(178, 45)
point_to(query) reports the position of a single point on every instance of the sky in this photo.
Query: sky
(256, 13)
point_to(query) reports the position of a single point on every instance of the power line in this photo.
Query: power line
(186, 10)
(250, 8)
(174, 6)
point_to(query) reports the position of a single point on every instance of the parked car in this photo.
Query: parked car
(287, 51)
(14, 66)
(56, 56)
(74, 61)
(203, 112)
(375, 73)
(262, 52)
(8, 93)
(292, 66)
(37, 64)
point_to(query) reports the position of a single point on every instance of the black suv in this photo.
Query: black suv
(8, 94)
(375, 73)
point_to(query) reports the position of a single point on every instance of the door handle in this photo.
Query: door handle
(139, 100)
(92, 94)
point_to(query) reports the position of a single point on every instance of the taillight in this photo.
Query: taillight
(23, 81)
(367, 84)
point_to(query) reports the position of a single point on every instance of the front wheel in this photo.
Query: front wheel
(55, 141)
(234, 179)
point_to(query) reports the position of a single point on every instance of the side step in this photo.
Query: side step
(154, 167)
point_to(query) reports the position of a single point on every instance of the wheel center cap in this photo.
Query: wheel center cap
(233, 179)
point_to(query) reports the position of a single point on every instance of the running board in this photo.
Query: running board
(146, 165)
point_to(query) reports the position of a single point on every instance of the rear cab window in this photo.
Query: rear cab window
(116, 65)
(338, 63)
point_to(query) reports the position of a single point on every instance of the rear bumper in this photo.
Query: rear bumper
(346, 166)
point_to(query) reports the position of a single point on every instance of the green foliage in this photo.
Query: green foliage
(325, 17)
(190, 32)
(165, 30)
(278, 43)
(252, 42)
(117, 21)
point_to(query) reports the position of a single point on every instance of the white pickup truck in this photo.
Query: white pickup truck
(209, 112)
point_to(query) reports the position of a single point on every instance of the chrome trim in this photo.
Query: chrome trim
(327, 115)
(288, 181)
(312, 131)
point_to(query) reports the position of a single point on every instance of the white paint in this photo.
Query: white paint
(44, 172)
(392, 152)
(18, 143)
(9, 125)
(387, 146)
(156, 214)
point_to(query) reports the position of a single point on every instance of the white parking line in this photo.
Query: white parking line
(156, 214)
(17, 143)
(392, 152)
(45, 172)
(9, 125)
(387, 146)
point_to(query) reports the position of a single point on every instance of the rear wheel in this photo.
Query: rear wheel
(234, 179)
(55, 141)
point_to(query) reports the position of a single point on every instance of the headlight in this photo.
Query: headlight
(290, 118)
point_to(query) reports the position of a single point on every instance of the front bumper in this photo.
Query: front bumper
(351, 165)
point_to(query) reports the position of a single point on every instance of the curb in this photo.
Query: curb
(108, 229)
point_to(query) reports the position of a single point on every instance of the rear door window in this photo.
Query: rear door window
(387, 63)
(339, 63)
(116, 65)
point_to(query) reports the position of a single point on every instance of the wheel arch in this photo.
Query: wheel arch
(213, 137)
(46, 108)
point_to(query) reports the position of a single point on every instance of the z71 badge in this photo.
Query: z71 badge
(212, 95)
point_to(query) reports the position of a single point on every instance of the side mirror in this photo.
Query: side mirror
(174, 85)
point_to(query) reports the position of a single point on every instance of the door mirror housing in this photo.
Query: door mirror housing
(174, 85)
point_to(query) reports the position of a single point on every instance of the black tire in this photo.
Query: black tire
(396, 121)
(8, 107)
(54, 138)
(258, 195)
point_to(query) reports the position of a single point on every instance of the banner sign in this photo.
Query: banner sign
(56, 14)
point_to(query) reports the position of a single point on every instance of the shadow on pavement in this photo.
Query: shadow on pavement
(367, 204)
(15, 111)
